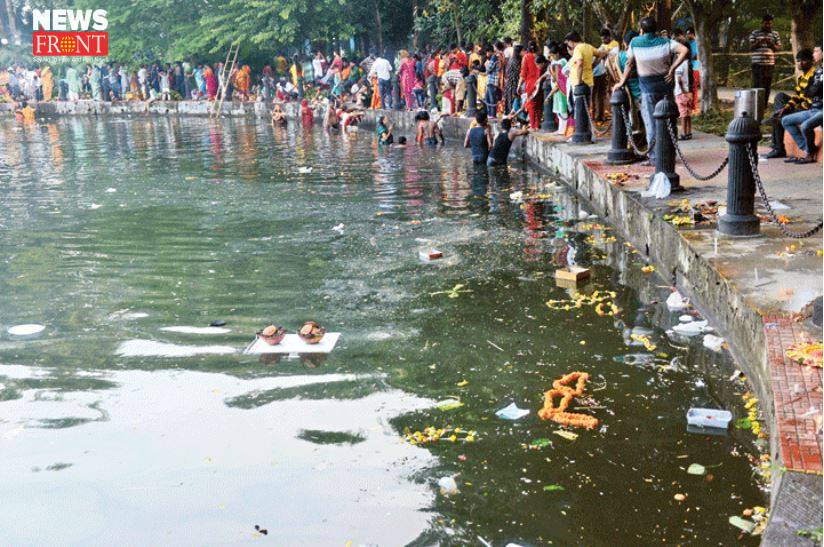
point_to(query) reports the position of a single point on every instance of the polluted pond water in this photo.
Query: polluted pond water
(151, 250)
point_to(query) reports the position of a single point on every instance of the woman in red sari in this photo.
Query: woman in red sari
(529, 78)
(211, 82)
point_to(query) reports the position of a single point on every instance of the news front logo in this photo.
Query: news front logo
(69, 33)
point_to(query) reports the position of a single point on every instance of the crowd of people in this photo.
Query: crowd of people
(500, 80)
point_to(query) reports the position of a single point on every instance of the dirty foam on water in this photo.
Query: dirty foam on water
(128, 418)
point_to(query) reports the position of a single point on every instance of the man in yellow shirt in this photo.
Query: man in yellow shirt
(583, 54)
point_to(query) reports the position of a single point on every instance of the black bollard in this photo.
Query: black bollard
(397, 102)
(471, 95)
(583, 132)
(549, 122)
(740, 219)
(618, 153)
(666, 112)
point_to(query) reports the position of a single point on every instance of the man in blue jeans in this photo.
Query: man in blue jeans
(802, 124)
(653, 57)
(382, 70)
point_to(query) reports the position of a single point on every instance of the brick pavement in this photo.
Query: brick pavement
(797, 396)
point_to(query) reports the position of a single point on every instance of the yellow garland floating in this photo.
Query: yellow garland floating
(561, 388)
(648, 345)
(600, 301)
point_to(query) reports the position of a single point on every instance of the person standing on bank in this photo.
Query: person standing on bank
(382, 70)
(764, 42)
(653, 57)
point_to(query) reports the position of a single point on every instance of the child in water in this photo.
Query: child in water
(278, 117)
(25, 113)
(428, 131)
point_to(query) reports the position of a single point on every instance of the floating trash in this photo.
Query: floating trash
(448, 486)
(691, 329)
(676, 301)
(714, 343)
(709, 417)
(512, 412)
(561, 388)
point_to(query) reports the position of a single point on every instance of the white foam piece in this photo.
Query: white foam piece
(196, 330)
(292, 343)
(26, 330)
(152, 348)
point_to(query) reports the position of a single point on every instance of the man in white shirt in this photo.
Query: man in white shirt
(382, 69)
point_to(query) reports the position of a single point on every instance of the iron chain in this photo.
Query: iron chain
(628, 127)
(752, 156)
(692, 172)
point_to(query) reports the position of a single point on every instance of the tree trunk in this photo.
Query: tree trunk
(586, 26)
(709, 89)
(802, 27)
(457, 18)
(379, 27)
(663, 15)
(415, 25)
(14, 35)
(526, 23)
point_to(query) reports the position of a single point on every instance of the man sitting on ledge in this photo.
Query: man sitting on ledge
(784, 105)
(802, 125)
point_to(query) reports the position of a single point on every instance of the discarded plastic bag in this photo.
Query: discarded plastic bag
(714, 343)
(691, 329)
(448, 486)
(658, 188)
(512, 412)
(676, 301)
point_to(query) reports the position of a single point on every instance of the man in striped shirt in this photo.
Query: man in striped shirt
(764, 42)
(656, 59)
(785, 104)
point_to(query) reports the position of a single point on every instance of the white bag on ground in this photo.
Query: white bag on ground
(659, 188)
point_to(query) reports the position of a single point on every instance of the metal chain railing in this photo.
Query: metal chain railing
(592, 128)
(752, 155)
(630, 139)
(692, 172)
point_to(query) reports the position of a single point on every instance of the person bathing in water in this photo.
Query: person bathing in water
(428, 131)
(278, 116)
(479, 138)
(384, 131)
(503, 142)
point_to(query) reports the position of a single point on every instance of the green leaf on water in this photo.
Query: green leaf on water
(553, 488)
(743, 423)
(540, 443)
(696, 469)
(742, 524)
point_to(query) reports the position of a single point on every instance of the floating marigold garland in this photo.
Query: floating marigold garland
(561, 388)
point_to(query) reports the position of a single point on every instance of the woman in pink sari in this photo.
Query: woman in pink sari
(211, 82)
(406, 75)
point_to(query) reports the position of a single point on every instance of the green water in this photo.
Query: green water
(111, 230)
